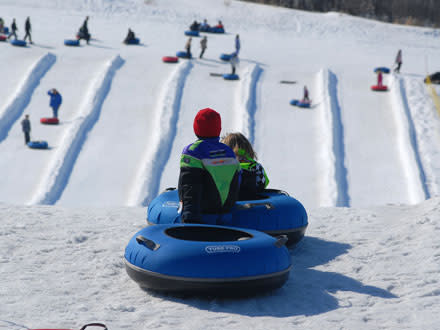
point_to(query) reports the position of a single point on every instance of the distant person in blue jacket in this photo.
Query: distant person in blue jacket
(55, 101)
(237, 44)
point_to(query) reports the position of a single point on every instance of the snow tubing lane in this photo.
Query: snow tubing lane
(49, 121)
(38, 144)
(223, 260)
(3, 38)
(377, 88)
(170, 59)
(192, 33)
(382, 69)
(226, 57)
(70, 42)
(134, 41)
(274, 212)
(182, 54)
(18, 43)
(229, 76)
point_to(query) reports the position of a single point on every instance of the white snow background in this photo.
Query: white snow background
(365, 165)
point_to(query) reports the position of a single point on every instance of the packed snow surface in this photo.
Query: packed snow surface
(366, 165)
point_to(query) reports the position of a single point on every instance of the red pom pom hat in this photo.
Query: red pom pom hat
(207, 123)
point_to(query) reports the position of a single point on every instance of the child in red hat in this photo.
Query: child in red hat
(209, 177)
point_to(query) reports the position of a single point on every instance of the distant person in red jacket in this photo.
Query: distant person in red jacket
(379, 78)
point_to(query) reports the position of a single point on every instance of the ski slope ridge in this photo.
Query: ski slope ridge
(55, 179)
(23, 94)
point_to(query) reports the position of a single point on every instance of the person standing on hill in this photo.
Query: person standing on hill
(26, 127)
(203, 46)
(28, 29)
(306, 98)
(2, 25)
(234, 62)
(55, 101)
(84, 31)
(398, 61)
(237, 44)
(379, 79)
(188, 47)
(13, 30)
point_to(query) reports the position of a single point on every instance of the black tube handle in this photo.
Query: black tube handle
(147, 242)
(281, 241)
(94, 325)
(268, 206)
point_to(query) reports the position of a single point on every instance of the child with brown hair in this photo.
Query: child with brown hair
(254, 178)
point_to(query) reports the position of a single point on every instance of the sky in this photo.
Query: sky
(364, 164)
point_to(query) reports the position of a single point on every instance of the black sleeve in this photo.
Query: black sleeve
(190, 193)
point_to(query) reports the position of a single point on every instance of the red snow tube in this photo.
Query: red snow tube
(3, 38)
(87, 326)
(49, 121)
(381, 88)
(170, 59)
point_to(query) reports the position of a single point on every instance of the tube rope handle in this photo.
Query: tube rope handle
(267, 205)
(147, 243)
(94, 325)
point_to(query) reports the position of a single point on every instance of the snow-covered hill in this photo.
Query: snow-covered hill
(68, 212)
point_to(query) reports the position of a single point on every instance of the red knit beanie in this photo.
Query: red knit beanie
(207, 123)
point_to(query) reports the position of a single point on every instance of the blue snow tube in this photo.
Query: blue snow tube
(5, 30)
(303, 104)
(226, 57)
(71, 42)
(38, 144)
(273, 212)
(201, 259)
(192, 33)
(215, 30)
(183, 54)
(134, 41)
(18, 43)
(230, 76)
(300, 104)
(382, 69)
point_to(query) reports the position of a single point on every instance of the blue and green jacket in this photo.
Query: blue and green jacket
(209, 179)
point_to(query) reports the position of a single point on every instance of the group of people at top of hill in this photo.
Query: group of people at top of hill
(14, 29)
(55, 102)
(204, 26)
(215, 174)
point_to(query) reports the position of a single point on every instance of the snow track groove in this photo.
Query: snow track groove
(146, 184)
(57, 174)
(334, 185)
(22, 97)
(427, 131)
(407, 143)
(247, 102)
